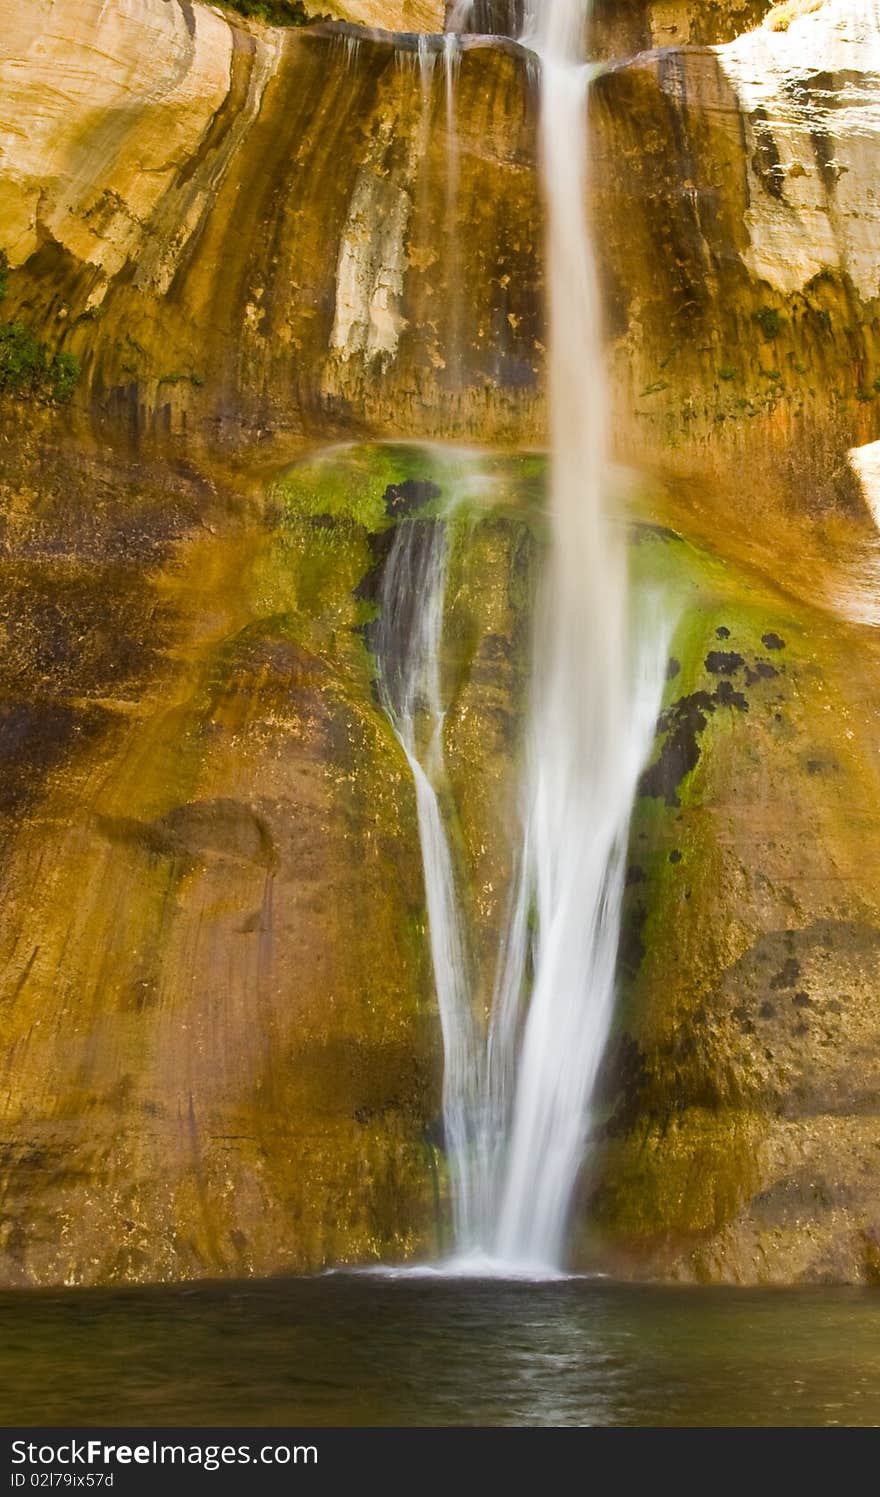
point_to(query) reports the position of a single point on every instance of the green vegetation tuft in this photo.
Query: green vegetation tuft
(27, 367)
(276, 12)
(64, 371)
(196, 380)
(768, 320)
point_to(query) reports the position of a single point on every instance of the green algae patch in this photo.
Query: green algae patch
(335, 517)
(332, 522)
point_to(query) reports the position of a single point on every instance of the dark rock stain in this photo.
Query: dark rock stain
(631, 947)
(762, 671)
(766, 161)
(723, 662)
(225, 828)
(406, 497)
(683, 723)
(788, 974)
(369, 589)
(620, 1085)
(727, 696)
(37, 736)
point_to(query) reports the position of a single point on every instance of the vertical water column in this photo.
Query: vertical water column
(408, 646)
(591, 722)
(454, 268)
(516, 1100)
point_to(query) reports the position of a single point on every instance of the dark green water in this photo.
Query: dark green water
(363, 1350)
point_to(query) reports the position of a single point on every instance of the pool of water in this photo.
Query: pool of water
(361, 1349)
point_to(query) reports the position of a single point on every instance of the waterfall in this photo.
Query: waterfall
(516, 1100)
(581, 774)
(408, 643)
(451, 70)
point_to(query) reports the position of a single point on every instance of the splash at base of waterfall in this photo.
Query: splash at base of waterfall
(477, 1266)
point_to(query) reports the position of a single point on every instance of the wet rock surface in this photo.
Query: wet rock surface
(221, 1047)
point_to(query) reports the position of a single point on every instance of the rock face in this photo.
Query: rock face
(221, 1048)
(739, 1129)
(286, 265)
(219, 1054)
(751, 348)
(221, 1043)
(268, 243)
(621, 30)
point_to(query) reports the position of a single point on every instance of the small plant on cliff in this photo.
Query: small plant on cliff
(27, 367)
(64, 371)
(768, 321)
(276, 12)
(22, 359)
(194, 379)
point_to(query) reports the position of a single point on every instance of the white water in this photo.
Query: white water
(585, 750)
(451, 70)
(408, 647)
(516, 1102)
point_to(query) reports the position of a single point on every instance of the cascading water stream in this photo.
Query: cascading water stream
(516, 1101)
(408, 645)
(581, 774)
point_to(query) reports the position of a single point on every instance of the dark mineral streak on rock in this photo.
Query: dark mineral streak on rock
(723, 662)
(412, 494)
(682, 723)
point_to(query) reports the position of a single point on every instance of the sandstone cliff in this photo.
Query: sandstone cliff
(220, 1048)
